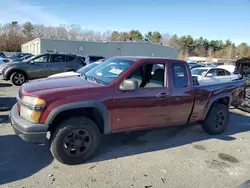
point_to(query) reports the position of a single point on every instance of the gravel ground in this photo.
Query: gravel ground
(176, 157)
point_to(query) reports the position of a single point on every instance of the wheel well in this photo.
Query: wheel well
(92, 113)
(224, 100)
(16, 70)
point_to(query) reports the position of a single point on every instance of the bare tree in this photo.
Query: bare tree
(74, 32)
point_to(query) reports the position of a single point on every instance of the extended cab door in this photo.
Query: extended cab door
(182, 93)
(147, 106)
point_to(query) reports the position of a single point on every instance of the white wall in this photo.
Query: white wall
(108, 49)
(32, 47)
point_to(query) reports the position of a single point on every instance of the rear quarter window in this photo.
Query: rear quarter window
(180, 78)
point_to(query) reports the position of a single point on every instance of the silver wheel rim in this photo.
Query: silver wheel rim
(19, 78)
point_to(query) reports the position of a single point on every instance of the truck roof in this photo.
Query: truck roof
(137, 58)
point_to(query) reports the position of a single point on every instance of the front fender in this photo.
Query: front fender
(86, 104)
(7, 73)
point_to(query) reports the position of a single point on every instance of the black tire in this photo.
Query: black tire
(65, 147)
(18, 78)
(216, 120)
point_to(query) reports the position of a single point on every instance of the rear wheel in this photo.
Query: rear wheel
(75, 140)
(217, 118)
(18, 78)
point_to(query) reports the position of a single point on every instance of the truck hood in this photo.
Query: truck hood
(65, 74)
(56, 87)
(243, 65)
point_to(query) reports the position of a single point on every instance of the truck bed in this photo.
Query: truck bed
(206, 94)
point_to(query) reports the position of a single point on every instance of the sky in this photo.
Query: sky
(211, 19)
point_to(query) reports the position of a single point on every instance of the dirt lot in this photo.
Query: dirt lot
(176, 157)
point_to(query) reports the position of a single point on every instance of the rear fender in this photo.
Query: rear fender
(215, 98)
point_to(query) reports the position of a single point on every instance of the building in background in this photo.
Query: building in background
(106, 49)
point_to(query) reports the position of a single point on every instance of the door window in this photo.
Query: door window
(58, 58)
(221, 72)
(41, 59)
(213, 72)
(180, 77)
(227, 73)
(149, 75)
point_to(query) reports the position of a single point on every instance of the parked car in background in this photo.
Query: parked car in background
(92, 58)
(18, 55)
(79, 72)
(3, 60)
(22, 58)
(212, 75)
(2, 55)
(40, 66)
(231, 68)
(193, 65)
(77, 110)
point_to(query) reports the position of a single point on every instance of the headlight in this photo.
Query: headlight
(33, 101)
(31, 109)
(30, 115)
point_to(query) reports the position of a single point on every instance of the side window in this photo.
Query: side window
(227, 73)
(149, 75)
(58, 58)
(221, 72)
(71, 58)
(41, 59)
(180, 78)
(213, 72)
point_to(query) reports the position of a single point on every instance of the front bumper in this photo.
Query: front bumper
(29, 132)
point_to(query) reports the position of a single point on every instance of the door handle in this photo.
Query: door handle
(162, 95)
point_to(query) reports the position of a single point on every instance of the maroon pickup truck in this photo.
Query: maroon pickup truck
(121, 94)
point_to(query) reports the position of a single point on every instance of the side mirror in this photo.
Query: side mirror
(209, 75)
(129, 85)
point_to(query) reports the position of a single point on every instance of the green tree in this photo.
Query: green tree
(242, 50)
(206, 44)
(124, 36)
(228, 43)
(214, 45)
(114, 36)
(135, 35)
(154, 36)
(28, 29)
(188, 44)
(174, 42)
(199, 47)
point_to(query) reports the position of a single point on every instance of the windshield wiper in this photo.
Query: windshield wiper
(91, 77)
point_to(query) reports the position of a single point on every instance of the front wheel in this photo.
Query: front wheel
(17, 78)
(217, 118)
(75, 140)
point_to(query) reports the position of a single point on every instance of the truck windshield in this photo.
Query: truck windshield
(198, 71)
(86, 68)
(108, 71)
